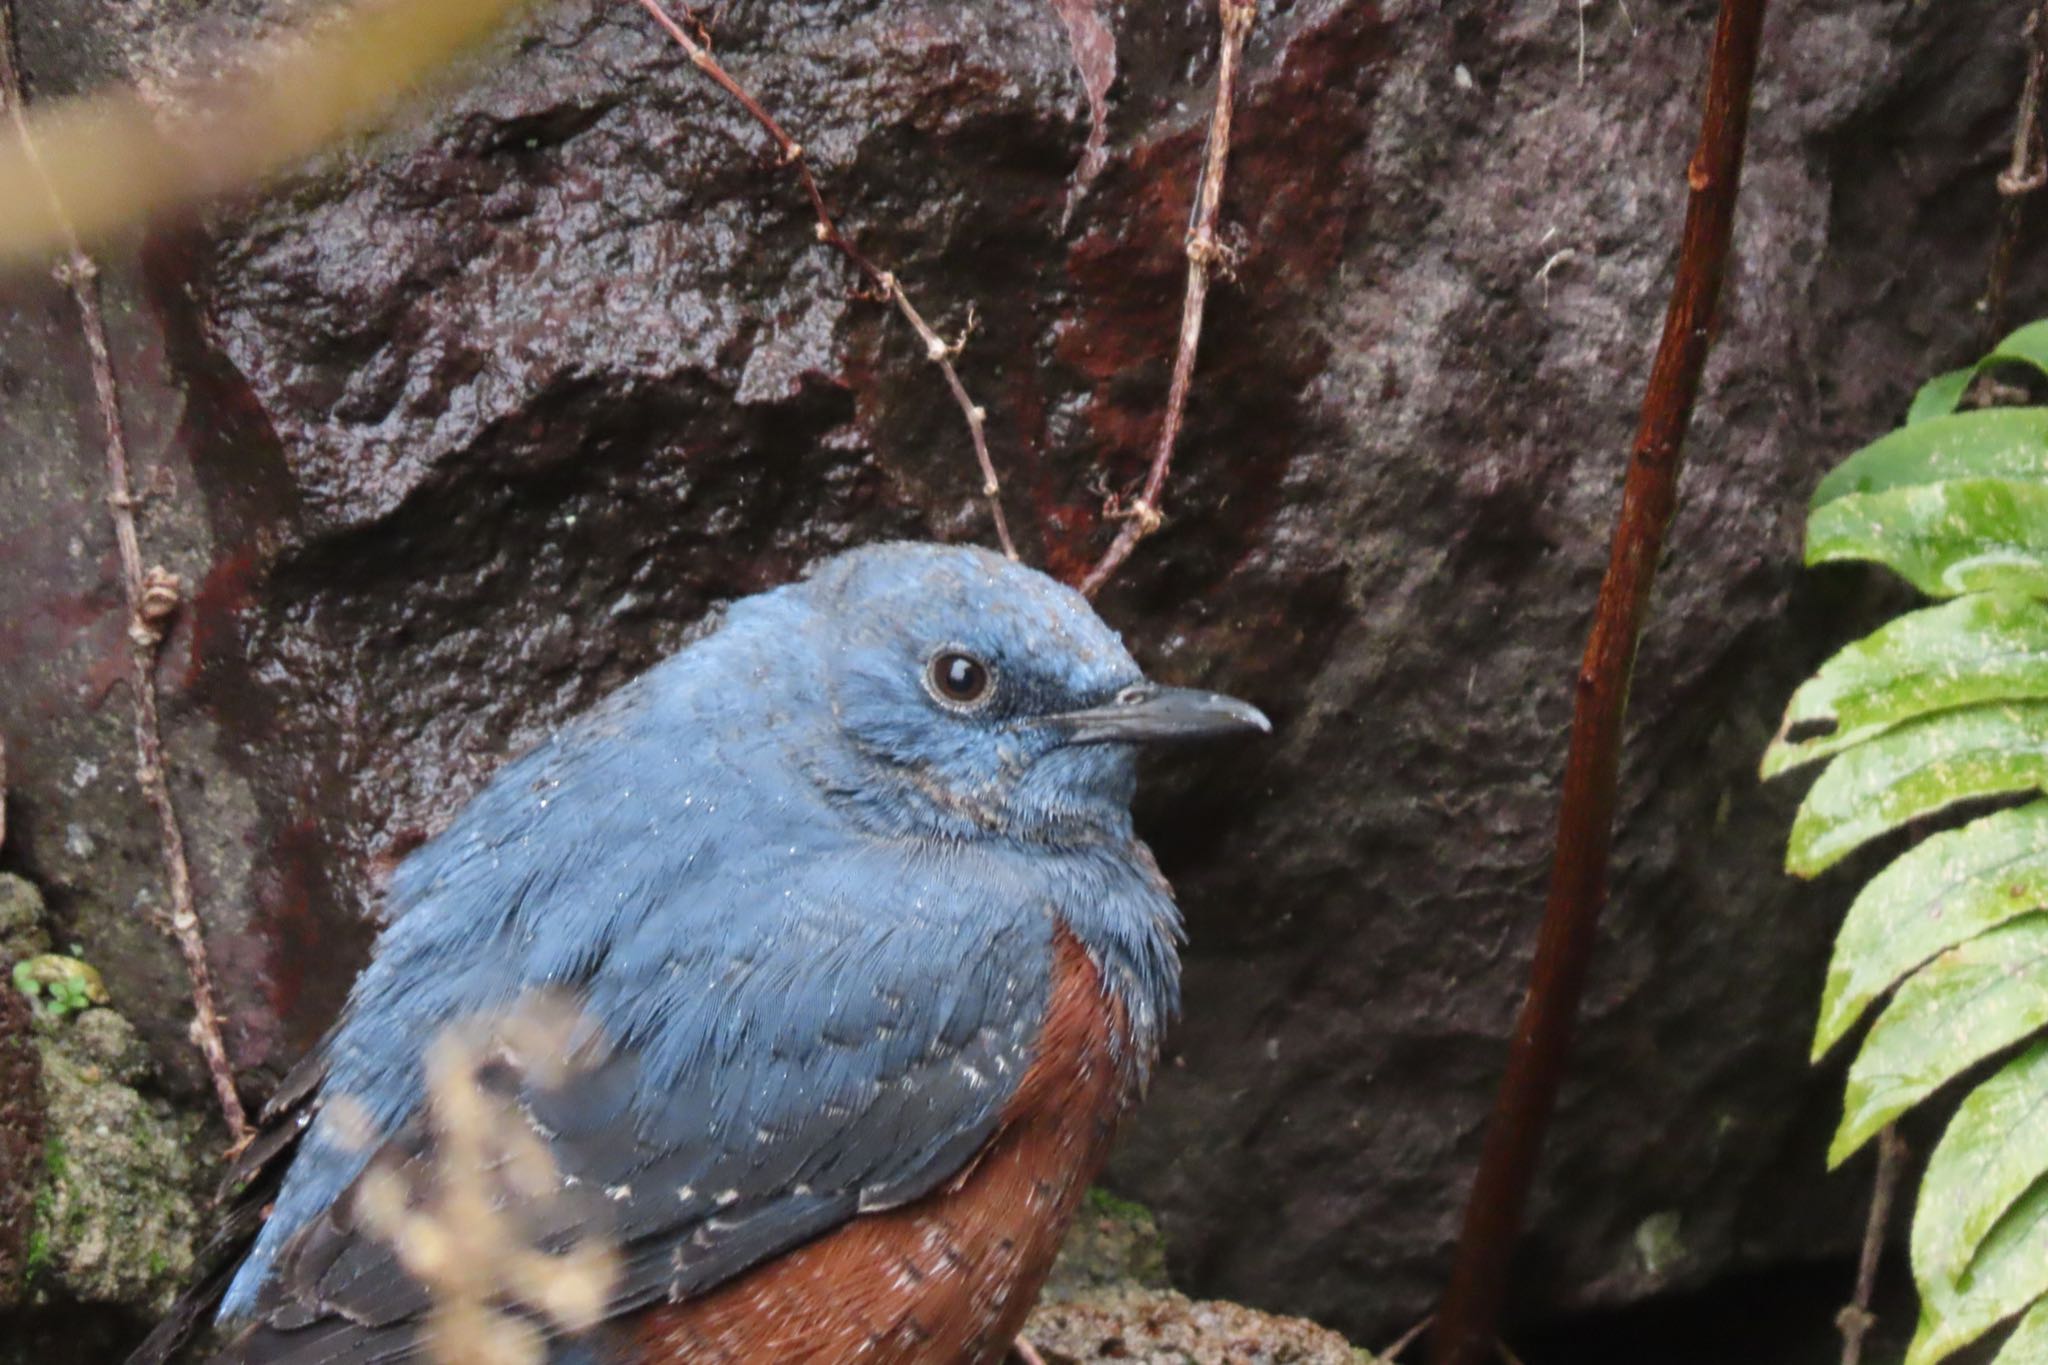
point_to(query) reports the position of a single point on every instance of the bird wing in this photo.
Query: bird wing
(845, 1042)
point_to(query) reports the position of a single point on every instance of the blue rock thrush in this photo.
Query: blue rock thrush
(850, 889)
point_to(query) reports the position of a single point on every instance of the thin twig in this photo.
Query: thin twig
(936, 348)
(1855, 1320)
(2027, 173)
(152, 600)
(1401, 1343)
(1467, 1323)
(1205, 252)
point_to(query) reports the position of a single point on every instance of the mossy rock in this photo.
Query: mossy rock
(114, 1220)
(1112, 1242)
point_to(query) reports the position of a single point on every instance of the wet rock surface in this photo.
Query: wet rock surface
(469, 423)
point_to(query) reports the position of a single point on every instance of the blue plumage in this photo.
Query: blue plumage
(807, 886)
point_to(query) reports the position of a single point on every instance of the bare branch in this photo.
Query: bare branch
(1467, 1324)
(2027, 173)
(1392, 1355)
(1855, 1320)
(152, 600)
(1205, 252)
(936, 348)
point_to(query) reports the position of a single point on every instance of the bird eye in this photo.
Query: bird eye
(958, 679)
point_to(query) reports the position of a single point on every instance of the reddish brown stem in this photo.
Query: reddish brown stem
(152, 599)
(1142, 517)
(937, 350)
(1467, 1322)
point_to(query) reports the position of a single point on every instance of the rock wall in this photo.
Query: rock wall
(467, 423)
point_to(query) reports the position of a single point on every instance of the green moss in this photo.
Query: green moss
(38, 1256)
(1106, 1205)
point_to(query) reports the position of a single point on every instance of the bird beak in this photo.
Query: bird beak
(1146, 711)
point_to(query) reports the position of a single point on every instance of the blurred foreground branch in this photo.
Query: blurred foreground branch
(111, 161)
(486, 1222)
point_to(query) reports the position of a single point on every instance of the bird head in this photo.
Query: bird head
(970, 694)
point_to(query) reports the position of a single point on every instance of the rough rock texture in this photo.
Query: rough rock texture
(21, 1142)
(1108, 1299)
(466, 425)
(23, 931)
(1160, 1327)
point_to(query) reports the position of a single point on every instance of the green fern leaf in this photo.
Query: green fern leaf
(2028, 1345)
(2008, 1274)
(1939, 396)
(1993, 443)
(1941, 706)
(1946, 890)
(1960, 1008)
(1989, 1157)
(1966, 535)
(1917, 769)
(1981, 648)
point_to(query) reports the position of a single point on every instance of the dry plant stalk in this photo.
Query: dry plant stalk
(467, 1230)
(1205, 253)
(936, 348)
(1467, 1322)
(152, 600)
(2027, 173)
(1855, 1320)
